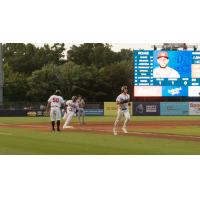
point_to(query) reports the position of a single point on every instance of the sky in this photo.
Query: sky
(118, 46)
(115, 46)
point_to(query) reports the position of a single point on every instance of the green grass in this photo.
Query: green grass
(20, 120)
(28, 141)
(178, 130)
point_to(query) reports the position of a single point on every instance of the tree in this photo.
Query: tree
(15, 85)
(125, 55)
(114, 76)
(26, 58)
(88, 54)
(92, 70)
(42, 83)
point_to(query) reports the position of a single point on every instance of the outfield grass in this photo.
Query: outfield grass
(28, 141)
(22, 120)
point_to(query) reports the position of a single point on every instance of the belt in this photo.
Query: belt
(123, 108)
(55, 107)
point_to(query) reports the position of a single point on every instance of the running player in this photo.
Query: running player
(55, 102)
(123, 103)
(72, 106)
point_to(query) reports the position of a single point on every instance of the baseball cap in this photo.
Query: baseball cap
(163, 54)
(57, 92)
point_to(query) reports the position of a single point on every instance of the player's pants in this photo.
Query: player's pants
(68, 116)
(55, 114)
(120, 114)
(81, 115)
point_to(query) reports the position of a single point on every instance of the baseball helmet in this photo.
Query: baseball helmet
(58, 92)
(123, 88)
(74, 98)
(163, 54)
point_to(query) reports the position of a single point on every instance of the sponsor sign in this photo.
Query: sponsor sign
(146, 108)
(94, 112)
(174, 108)
(110, 109)
(194, 108)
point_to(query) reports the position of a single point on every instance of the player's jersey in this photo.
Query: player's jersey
(71, 106)
(81, 103)
(123, 97)
(56, 101)
(166, 72)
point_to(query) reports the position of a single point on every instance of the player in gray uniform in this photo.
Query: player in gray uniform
(81, 112)
(55, 102)
(123, 103)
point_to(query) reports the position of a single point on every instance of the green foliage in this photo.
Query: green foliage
(88, 54)
(15, 85)
(114, 76)
(42, 83)
(92, 69)
(26, 58)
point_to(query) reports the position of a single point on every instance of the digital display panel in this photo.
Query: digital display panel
(166, 73)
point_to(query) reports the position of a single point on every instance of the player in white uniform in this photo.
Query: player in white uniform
(123, 103)
(72, 106)
(81, 112)
(164, 71)
(55, 102)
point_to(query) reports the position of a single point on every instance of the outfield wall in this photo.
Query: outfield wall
(41, 113)
(174, 108)
(110, 109)
(166, 108)
(146, 108)
(38, 109)
(156, 108)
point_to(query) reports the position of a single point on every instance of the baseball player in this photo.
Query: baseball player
(81, 112)
(123, 103)
(72, 106)
(164, 71)
(55, 102)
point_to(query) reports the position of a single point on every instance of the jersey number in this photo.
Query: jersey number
(56, 100)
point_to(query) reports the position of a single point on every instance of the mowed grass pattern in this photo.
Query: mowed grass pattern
(21, 141)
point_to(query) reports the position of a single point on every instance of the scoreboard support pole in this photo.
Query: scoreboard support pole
(1, 75)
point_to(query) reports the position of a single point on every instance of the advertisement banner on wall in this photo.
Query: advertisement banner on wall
(146, 108)
(94, 112)
(37, 113)
(110, 109)
(174, 108)
(12, 113)
(194, 108)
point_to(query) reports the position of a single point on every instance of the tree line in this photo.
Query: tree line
(32, 73)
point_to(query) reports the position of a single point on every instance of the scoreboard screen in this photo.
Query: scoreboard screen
(166, 73)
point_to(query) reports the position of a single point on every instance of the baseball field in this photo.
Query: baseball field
(157, 135)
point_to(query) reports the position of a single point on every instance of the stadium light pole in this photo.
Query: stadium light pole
(1, 75)
(95, 55)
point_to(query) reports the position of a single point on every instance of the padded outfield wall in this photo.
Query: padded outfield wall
(136, 109)
(166, 108)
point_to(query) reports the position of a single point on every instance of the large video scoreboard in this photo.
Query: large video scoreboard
(166, 73)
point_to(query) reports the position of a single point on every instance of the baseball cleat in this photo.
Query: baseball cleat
(68, 127)
(114, 132)
(124, 130)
